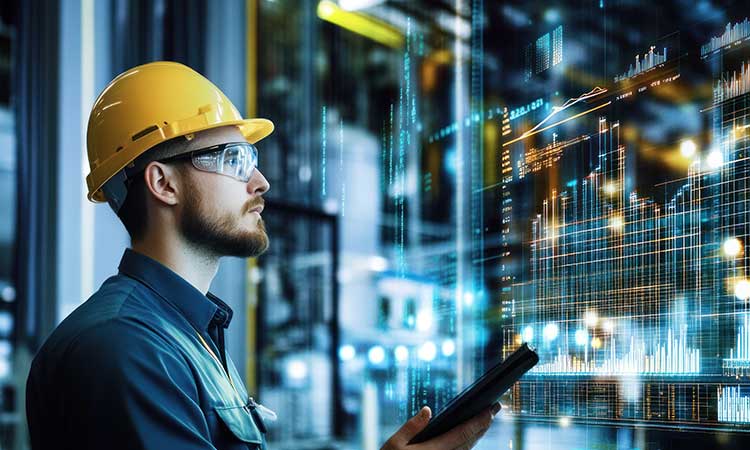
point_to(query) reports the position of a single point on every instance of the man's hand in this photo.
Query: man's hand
(462, 437)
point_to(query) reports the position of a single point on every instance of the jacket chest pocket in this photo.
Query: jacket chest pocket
(236, 429)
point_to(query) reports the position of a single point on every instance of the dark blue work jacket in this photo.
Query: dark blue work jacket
(131, 369)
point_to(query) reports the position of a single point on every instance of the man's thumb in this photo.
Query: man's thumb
(414, 425)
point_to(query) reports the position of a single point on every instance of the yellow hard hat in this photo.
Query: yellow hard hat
(148, 105)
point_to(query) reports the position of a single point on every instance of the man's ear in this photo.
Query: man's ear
(163, 181)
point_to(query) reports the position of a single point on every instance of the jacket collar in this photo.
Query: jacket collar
(200, 310)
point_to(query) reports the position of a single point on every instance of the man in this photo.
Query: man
(142, 363)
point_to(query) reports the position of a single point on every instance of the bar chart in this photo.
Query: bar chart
(650, 60)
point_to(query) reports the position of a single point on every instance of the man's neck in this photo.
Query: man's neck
(196, 267)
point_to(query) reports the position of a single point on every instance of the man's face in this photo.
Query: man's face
(221, 214)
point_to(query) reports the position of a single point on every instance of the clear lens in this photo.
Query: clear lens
(237, 161)
(206, 161)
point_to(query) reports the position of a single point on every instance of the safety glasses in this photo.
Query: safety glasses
(233, 159)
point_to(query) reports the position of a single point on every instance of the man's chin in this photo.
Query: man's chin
(254, 244)
(263, 241)
(244, 244)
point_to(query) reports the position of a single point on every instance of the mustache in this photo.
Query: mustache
(253, 204)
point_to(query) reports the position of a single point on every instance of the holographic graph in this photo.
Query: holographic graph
(536, 159)
(525, 109)
(733, 85)
(650, 60)
(674, 357)
(558, 109)
(584, 235)
(738, 362)
(734, 405)
(544, 53)
(568, 103)
(629, 298)
(733, 34)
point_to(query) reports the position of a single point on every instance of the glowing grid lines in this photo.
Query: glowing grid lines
(621, 286)
(608, 251)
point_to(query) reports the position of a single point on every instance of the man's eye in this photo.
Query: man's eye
(233, 162)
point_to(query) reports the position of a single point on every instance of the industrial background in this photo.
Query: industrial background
(449, 179)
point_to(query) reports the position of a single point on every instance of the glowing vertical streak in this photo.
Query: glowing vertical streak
(695, 204)
(458, 106)
(87, 98)
(383, 153)
(390, 148)
(476, 172)
(323, 139)
(404, 140)
(341, 167)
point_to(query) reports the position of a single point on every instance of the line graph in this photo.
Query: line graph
(597, 91)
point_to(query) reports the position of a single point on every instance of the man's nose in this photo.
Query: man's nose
(258, 185)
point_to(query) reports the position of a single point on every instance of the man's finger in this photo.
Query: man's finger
(494, 409)
(467, 432)
(471, 442)
(411, 427)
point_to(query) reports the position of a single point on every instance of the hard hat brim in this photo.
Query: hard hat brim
(255, 129)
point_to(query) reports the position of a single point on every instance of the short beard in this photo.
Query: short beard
(220, 236)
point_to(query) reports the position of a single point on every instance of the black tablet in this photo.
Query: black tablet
(480, 395)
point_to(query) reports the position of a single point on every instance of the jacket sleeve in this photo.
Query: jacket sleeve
(129, 389)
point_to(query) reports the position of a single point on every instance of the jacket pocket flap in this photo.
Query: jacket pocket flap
(240, 423)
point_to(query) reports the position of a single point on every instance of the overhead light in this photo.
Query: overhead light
(732, 247)
(296, 369)
(688, 148)
(742, 290)
(376, 355)
(582, 337)
(715, 159)
(550, 331)
(354, 5)
(528, 334)
(378, 263)
(590, 318)
(448, 347)
(361, 24)
(427, 351)
(616, 223)
(347, 352)
(401, 353)
(424, 320)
